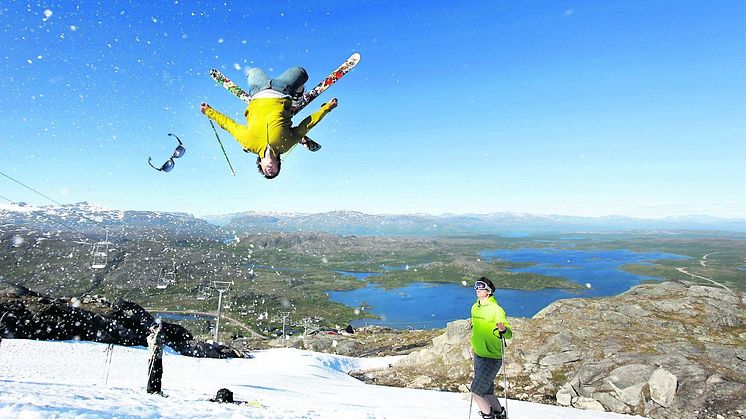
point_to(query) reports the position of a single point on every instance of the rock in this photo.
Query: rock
(663, 386)
(13, 290)
(541, 376)
(560, 358)
(455, 333)
(513, 368)
(714, 379)
(421, 381)
(563, 398)
(561, 342)
(675, 306)
(32, 316)
(611, 403)
(589, 404)
(633, 310)
(705, 292)
(628, 380)
(566, 394)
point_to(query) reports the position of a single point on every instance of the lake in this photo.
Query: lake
(433, 305)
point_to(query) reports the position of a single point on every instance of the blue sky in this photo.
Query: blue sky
(564, 107)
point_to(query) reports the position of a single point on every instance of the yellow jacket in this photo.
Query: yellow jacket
(485, 338)
(268, 122)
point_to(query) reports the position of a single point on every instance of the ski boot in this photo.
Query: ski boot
(310, 144)
(494, 414)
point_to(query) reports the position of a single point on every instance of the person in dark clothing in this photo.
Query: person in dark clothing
(1, 325)
(155, 365)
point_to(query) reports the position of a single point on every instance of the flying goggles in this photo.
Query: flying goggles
(481, 285)
(169, 164)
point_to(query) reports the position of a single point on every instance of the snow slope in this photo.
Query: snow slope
(41, 379)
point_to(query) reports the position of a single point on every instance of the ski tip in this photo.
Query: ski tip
(355, 56)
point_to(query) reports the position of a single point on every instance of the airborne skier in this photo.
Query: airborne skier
(268, 132)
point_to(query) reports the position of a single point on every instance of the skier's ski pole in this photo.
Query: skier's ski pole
(223, 148)
(505, 376)
(151, 365)
(109, 354)
(471, 401)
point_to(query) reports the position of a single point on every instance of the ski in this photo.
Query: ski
(308, 96)
(332, 78)
(224, 81)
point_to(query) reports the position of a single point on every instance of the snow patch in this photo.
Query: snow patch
(66, 380)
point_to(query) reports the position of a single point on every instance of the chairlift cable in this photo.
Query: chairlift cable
(30, 188)
(59, 223)
(45, 196)
(56, 202)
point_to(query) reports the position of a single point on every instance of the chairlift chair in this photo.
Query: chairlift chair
(204, 292)
(169, 277)
(161, 283)
(100, 253)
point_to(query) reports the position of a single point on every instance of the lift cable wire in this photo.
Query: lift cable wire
(69, 227)
(31, 189)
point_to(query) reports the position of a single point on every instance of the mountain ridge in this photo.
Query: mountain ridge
(93, 219)
(359, 223)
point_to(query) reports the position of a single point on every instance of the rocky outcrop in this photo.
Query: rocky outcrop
(662, 350)
(363, 342)
(30, 315)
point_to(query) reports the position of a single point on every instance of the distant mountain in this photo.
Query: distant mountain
(357, 223)
(91, 220)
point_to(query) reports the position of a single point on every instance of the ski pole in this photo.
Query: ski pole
(505, 375)
(471, 400)
(151, 365)
(109, 354)
(222, 148)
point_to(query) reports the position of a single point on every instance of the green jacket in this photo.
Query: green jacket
(268, 123)
(485, 338)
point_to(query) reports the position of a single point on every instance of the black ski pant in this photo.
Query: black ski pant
(155, 376)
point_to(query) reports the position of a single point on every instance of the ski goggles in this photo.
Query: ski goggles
(481, 285)
(169, 164)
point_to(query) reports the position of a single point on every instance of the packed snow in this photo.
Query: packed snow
(40, 379)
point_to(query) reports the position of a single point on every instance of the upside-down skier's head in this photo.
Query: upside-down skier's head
(269, 166)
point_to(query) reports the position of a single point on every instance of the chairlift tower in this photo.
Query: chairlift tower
(220, 287)
(285, 315)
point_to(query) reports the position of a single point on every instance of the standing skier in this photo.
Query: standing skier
(155, 364)
(268, 132)
(489, 325)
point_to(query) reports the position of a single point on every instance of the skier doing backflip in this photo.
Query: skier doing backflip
(268, 132)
